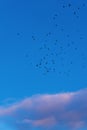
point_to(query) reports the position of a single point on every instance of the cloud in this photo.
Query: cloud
(48, 110)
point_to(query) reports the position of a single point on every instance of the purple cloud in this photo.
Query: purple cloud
(62, 109)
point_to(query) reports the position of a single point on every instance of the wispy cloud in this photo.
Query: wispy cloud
(62, 109)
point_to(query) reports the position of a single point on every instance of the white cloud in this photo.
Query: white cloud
(65, 109)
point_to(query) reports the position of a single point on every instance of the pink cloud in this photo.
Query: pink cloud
(68, 109)
(42, 122)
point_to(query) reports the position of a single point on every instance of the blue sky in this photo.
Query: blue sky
(43, 48)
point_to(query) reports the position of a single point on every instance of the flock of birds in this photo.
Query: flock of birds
(52, 54)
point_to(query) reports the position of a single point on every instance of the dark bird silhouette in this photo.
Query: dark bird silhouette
(33, 37)
(18, 34)
(69, 5)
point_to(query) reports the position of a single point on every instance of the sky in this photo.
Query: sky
(43, 64)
